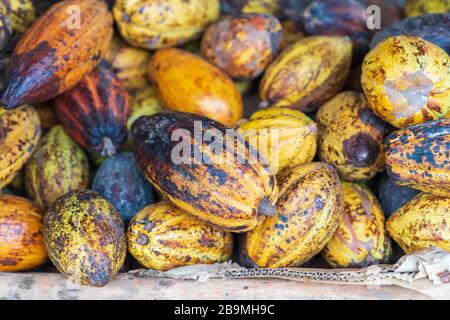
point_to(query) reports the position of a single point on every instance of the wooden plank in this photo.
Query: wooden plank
(126, 286)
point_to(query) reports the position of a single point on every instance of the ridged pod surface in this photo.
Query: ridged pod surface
(57, 166)
(165, 23)
(242, 46)
(407, 81)
(361, 238)
(95, 112)
(186, 82)
(20, 131)
(415, 8)
(418, 157)
(85, 238)
(21, 234)
(307, 215)
(308, 73)
(55, 53)
(421, 224)
(213, 185)
(351, 137)
(287, 137)
(163, 237)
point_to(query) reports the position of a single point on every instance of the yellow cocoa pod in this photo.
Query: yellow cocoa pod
(419, 7)
(361, 238)
(21, 13)
(421, 223)
(407, 81)
(286, 137)
(308, 73)
(151, 240)
(351, 137)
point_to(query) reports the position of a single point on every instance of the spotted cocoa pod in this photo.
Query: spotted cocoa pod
(407, 81)
(361, 238)
(242, 46)
(151, 242)
(280, 8)
(53, 55)
(95, 112)
(351, 137)
(227, 186)
(417, 157)
(419, 7)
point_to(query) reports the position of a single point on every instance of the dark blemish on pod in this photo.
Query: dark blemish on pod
(361, 150)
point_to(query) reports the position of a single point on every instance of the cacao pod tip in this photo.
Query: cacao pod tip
(108, 147)
(9, 100)
(266, 208)
(264, 105)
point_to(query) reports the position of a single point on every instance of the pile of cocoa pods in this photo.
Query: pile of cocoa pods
(165, 133)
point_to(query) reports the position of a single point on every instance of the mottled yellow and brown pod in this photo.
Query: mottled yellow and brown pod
(407, 80)
(307, 215)
(418, 157)
(421, 223)
(307, 74)
(151, 240)
(85, 238)
(57, 166)
(286, 137)
(420, 7)
(22, 244)
(351, 137)
(242, 46)
(361, 238)
(165, 23)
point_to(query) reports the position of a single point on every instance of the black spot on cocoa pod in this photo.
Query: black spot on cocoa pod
(361, 150)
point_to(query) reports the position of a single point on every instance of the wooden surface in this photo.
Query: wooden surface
(126, 286)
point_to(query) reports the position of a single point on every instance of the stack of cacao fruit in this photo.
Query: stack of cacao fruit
(145, 145)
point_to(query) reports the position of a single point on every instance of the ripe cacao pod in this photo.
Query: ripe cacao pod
(307, 74)
(280, 8)
(308, 211)
(95, 112)
(120, 182)
(422, 223)
(296, 136)
(21, 234)
(242, 46)
(417, 157)
(433, 28)
(185, 82)
(21, 13)
(361, 238)
(57, 166)
(53, 55)
(20, 131)
(143, 102)
(419, 7)
(227, 186)
(160, 24)
(351, 137)
(85, 238)
(151, 240)
(407, 81)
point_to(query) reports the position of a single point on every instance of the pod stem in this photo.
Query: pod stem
(108, 147)
(266, 208)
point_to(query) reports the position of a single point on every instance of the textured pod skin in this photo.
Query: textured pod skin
(120, 182)
(433, 28)
(297, 142)
(20, 131)
(52, 56)
(228, 194)
(280, 8)
(407, 81)
(417, 157)
(339, 18)
(160, 24)
(129, 65)
(85, 238)
(419, 7)
(422, 223)
(242, 46)
(57, 166)
(143, 102)
(309, 207)
(21, 234)
(185, 82)
(361, 238)
(351, 137)
(21, 13)
(95, 112)
(151, 240)
(308, 73)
